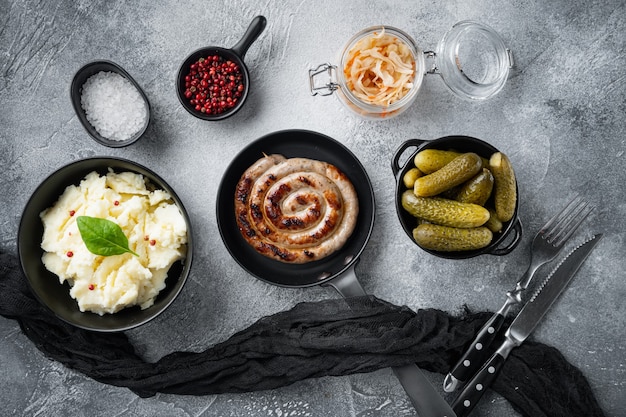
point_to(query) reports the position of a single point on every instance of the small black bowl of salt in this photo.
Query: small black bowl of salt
(110, 104)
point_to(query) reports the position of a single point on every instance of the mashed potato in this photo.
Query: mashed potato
(153, 224)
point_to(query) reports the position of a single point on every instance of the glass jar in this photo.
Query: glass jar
(339, 82)
(471, 59)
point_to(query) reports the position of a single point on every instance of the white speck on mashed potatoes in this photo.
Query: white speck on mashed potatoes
(153, 224)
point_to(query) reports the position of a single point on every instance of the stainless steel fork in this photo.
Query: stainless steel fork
(545, 246)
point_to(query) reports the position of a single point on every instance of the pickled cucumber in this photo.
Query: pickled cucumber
(477, 190)
(431, 160)
(410, 177)
(456, 172)
(444, 212)
(505, 191)
(493, 224)
(451, 239)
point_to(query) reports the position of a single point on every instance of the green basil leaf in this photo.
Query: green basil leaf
(102, 236)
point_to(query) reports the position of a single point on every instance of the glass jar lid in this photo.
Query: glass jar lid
(473, 60)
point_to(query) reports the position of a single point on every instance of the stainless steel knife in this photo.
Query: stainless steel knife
(524, 324)
(423, 396)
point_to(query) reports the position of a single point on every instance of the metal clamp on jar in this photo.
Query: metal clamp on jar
(382, 68)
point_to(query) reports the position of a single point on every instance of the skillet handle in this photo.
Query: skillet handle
(254, 30)
(347, 284)
(425, 399)
(395, 164)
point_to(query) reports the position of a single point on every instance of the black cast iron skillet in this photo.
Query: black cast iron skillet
(336, 270)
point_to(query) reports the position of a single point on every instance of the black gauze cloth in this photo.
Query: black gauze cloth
(315, 339)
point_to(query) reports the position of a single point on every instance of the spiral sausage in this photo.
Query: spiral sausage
(295, 210)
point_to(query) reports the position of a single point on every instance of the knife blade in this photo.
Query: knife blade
(423, 396)
(523, 325)
(425, 399)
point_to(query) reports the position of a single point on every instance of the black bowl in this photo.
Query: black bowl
(236, 55)
(503, 242)
(45, 285)
(76, 87)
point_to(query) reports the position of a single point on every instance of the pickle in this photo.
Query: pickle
(431, 160)
(456, 172)
(477, 190)
(443, 211)
(451, 239)
(505, 191)
(410, 177)
(493, 224)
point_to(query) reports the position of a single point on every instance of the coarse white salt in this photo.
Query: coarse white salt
(113, 106)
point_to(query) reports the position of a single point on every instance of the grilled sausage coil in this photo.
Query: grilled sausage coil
(295, 210)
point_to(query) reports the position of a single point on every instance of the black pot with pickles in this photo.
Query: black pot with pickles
(457, 197)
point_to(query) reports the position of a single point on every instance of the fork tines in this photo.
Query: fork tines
(562, 226)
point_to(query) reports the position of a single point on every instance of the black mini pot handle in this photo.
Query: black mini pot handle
(395, 164)
(517, 228)
(254, 30)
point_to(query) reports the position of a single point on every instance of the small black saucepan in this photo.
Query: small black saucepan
(234, 54)
(337, 269)
(512, 228)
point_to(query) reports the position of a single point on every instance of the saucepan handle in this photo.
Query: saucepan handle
(395, 161)
(517, 229)
(254, 30)
(423, 396)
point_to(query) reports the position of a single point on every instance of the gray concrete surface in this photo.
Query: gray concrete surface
(560, 118)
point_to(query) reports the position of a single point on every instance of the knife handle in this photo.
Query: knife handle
(476, 387)
(475, 355)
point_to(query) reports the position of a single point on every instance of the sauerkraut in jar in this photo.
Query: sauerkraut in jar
(381, 72)
(380, 69)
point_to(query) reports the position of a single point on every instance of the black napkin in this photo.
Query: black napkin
(333, 337)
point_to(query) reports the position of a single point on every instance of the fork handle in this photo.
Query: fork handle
(476, 355)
